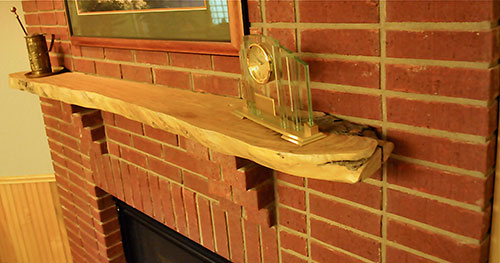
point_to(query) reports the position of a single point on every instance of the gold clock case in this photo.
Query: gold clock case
(267, 65)
(279, 99)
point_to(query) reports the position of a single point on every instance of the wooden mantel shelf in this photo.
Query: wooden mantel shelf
(208, 119)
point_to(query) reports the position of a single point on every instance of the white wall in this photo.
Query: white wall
(23, 143)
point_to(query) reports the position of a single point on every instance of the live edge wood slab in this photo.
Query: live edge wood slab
(208, 119)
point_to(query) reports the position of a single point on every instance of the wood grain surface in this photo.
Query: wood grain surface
(208, 119)
(495, 221)
(31, 223)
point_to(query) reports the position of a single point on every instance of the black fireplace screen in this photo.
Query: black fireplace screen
(147, 240)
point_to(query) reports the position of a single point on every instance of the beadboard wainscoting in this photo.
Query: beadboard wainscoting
(31, 223)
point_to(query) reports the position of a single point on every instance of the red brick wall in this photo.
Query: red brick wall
(423, 72)
(224, 203)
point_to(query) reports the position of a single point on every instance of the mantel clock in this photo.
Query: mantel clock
(276, 88)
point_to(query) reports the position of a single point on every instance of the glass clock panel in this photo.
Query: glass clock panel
(278, 91)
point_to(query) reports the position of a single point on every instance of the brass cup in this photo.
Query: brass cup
(38, 54)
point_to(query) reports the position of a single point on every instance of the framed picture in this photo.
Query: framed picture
(192, 26)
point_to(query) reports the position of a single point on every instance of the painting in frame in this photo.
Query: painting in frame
(191, 26)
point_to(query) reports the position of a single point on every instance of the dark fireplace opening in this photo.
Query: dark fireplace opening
(147, 240)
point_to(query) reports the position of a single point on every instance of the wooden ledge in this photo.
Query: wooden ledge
(207, 119)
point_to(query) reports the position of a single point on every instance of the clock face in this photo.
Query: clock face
(259, 63)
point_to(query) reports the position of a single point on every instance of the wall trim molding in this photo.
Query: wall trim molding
(23, 179)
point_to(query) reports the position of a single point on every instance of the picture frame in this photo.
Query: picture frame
(201, 44)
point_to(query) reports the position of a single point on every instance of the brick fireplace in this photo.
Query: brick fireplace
(225, 203)
(425, 74)
(219, 201)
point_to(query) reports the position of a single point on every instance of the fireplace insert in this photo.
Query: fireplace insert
(147, 240)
